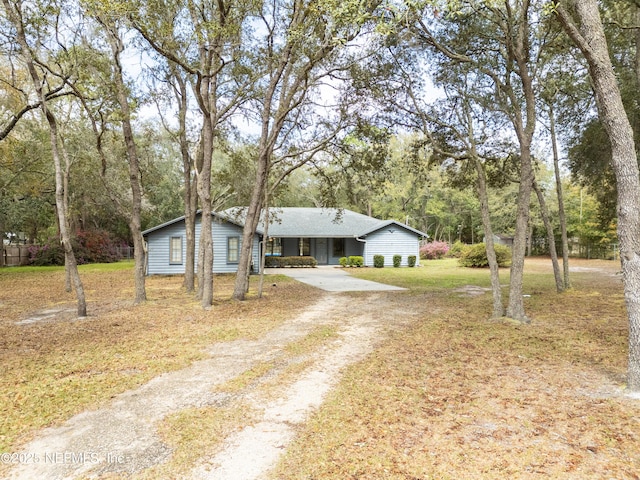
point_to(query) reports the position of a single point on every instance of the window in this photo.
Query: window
(338, 247)
(175, 251)
(273, 247)
(233, 249)
(304, 247)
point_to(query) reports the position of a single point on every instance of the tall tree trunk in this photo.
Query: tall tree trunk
(139, 251)
(190, 210)
(265, 237)
(190, 189)
(561, 213)
(523, 118)
(2, 228)
(15, 17)
(544, 211)
(498, 308)
(637, 57)
(205, 267)
(515, 308)
(483, 196)
(588, 34)
(251, 223)
(65, 190)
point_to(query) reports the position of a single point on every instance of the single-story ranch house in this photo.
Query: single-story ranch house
(324, 233)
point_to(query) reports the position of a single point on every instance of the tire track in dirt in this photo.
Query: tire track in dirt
(121, 438)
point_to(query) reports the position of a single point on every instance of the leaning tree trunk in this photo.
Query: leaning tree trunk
(561, 214)
(135, 180)
(498, 308)
(251, 223)
(589, 35)
(65, 201)
(544, 211)
(263, 253)
(70, 259)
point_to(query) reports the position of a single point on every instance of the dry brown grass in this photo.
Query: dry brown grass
(55, 368)
(454, 396)
(460, 397)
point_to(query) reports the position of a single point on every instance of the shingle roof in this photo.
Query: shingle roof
(315, 222)
(294, 222)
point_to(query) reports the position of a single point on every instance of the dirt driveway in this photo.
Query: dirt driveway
(122, 440)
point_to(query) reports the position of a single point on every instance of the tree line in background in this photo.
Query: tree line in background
(464, 119)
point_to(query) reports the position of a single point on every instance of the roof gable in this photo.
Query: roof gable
(181, 219)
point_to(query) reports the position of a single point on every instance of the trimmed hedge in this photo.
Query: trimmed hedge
(411, 259)
(397, 260)
(356, 261)
(281, 262)
(352, 261)
(475, 256)
(378, 261)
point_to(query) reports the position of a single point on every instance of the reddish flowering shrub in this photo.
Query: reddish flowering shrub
(434, 250)
(89, 246)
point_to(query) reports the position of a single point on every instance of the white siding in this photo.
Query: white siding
(158, 248)
(400, 242)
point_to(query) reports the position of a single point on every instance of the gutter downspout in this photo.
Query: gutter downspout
(365, 249)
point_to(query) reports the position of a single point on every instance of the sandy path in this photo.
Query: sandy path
(121, 438)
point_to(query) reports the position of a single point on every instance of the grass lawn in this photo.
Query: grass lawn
(460, 397)
(453, 396)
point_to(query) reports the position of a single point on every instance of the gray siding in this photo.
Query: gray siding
(400, 242)
(158, 248)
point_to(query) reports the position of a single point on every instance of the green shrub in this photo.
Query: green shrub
(344, 262)
(475, 256)
(356, 261)
(281, 262)
(397, 260)
(378, 261)
(411, 259)
(457, 249)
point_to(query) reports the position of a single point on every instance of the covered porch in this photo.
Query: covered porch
(326, 250)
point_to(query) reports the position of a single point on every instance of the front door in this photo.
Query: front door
(321, 251)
